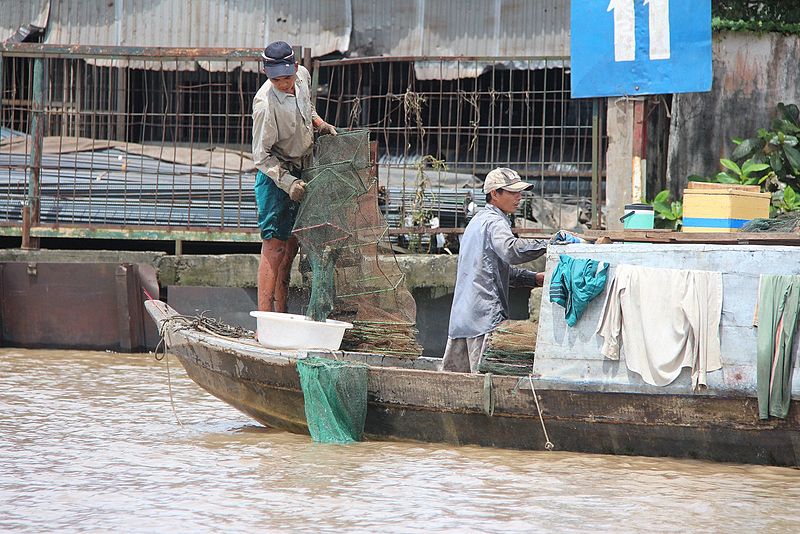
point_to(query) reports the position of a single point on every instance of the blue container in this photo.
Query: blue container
(638, 217)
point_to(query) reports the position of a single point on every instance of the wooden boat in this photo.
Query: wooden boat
(411, 400)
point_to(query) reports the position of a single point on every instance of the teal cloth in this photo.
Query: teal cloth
(575, 282)
(276, 211)
(778, 312)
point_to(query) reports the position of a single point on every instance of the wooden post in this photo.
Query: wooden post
(35, 167)
(639, 159)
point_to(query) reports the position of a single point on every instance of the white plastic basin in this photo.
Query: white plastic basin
(298, 332)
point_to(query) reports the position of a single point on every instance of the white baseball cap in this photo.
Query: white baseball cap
(504, 178)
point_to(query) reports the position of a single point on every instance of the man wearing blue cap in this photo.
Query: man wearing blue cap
(284, 121)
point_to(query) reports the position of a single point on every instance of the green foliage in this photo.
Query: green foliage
(747, 174)
(669, 213)
(764, 16)
(769, 158)
(788, 200)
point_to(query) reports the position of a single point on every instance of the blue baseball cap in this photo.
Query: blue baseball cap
(278, 59)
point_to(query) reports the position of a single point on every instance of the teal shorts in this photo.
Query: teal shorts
(276, 211)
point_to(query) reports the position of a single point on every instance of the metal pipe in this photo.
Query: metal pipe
(137, 53)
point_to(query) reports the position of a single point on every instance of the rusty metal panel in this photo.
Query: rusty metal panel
(69, 305)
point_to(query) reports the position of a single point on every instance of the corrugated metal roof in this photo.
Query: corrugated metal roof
(461, 28)
(482, 28)
(22, 13)
(325, 27)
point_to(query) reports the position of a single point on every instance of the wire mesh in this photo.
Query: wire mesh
(438, 137)
(122, 146)
(345, 238)
(145, 138)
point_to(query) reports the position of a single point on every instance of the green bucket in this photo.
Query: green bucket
(638, 217)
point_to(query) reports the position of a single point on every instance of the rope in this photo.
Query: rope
(162, 342)
(202, 323)
(548, 444)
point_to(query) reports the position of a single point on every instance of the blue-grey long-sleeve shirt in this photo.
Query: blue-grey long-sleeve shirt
(486, 255)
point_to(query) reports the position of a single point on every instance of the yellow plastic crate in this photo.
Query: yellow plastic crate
(722, 208)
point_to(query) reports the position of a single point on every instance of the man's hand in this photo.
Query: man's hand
(563, 237)
(297, 190)
(539, 280)
(325, 128)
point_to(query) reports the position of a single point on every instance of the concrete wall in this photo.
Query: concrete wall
(752, 74)
(224, 286)
(571, 357)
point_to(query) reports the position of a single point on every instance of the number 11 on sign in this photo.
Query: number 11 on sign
(625, 29)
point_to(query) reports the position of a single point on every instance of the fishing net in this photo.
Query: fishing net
(510, 349)
(354, 274)
(785, 222)
(335, 397)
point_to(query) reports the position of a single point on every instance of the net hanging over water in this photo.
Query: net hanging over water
(354, 273)
(335, 399)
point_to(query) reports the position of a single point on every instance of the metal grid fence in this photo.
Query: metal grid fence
(150, 143)
(442, 123)
(95, 144)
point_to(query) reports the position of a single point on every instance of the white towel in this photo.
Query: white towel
(666, 319)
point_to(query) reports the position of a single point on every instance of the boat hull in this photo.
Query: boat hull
(415, 404)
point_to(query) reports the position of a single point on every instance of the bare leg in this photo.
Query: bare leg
(272, 252)
(284, 272)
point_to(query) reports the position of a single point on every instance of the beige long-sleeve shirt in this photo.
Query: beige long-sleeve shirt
(283, 131)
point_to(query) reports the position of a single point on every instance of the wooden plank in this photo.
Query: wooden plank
(661, 236)
(711, 185)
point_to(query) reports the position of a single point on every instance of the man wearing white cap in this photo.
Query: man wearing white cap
(486, 257)
(284, 121)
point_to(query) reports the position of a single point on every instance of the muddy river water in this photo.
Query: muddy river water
(89, 442)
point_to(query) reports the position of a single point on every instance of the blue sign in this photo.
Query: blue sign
(640, 47)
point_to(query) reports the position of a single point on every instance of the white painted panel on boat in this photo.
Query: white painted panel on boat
(572, 355)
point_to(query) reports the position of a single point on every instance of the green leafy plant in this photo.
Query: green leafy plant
(789, 200)
(775, 147)
(747, 174)
(668, 212)
(763, 16)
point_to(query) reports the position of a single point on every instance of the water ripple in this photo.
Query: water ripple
(89, 442)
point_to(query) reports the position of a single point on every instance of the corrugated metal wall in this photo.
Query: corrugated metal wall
(461, 27)
(362, 27)
(18, 13)
(324, 26)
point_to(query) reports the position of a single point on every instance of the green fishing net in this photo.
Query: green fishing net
(335, 397)
(353, 271)
(784, 222)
